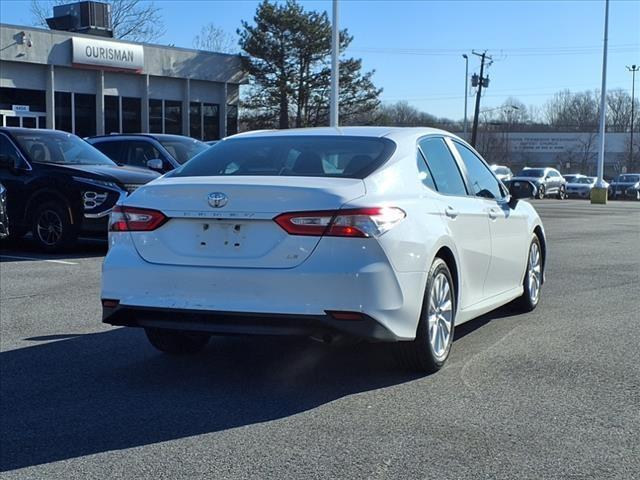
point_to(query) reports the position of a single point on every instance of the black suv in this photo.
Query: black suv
(59, 186)
(159, 152)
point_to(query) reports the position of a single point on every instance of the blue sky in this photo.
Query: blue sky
(416, 46)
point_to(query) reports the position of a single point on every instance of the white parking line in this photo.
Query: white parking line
(63, 262)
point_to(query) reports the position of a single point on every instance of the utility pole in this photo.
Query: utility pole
(335, 67)
(466, 91)
(481, 82)
(599, 192)
(633, 69)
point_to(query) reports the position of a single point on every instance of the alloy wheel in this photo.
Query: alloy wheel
(49, 227)
(534, 271)
(440, 315)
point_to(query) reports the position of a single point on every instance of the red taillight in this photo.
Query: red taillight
(109, 303)
(354, 222)
(132, 219)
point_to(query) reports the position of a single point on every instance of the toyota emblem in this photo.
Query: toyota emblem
(217, 199)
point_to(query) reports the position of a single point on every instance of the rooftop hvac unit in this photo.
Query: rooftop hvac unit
(93, 18)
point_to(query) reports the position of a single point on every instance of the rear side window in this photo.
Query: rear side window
(424, 174)
(443, 166)
(295, 155)
(483, 182)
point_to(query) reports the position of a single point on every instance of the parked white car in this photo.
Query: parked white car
(386, 234)
(580, 186)
(504, 174)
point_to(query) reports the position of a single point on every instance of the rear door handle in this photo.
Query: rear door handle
(450, 212)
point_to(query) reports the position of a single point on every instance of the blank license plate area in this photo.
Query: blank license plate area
(225, 238)
(222, 238)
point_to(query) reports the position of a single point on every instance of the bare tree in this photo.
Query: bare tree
(133, 20)
(619, 110)
(573, 111)
(215, 39)
(582, 155)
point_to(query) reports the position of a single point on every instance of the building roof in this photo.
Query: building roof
(53, 47)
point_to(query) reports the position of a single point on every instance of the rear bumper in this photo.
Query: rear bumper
(579, 193)
(243, 323)
(342, 275)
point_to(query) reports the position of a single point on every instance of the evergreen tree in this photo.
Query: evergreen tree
(288, 59)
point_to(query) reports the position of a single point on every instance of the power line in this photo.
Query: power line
(622, 48)
(497, 93)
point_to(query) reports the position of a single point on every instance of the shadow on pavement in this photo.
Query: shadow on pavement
(93, 393)
(106, 391)
(25, 249)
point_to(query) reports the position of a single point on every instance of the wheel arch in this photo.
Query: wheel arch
(47, 195)
(539, 232)
(446, 254)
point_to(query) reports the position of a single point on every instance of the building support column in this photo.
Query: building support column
(50, 98)
(100, 102)
(145, 104)
(223, 112)
(186, 110)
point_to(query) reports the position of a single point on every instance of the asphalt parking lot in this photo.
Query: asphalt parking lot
(550, 394)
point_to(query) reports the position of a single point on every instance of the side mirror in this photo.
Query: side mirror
(519, 190)
(155, 164)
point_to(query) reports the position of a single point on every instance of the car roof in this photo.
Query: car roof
(45, 131)
(396, 133)
(156, 136)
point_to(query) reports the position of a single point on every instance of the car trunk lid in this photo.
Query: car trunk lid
(228, 221)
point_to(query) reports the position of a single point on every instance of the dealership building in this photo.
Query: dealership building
(90, 84)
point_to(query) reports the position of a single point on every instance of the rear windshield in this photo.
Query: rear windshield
(585, 180)
(303, 156)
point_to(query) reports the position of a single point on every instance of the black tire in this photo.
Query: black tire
(419, 355)
(541, 192)
(176, 342)
(562, 193)
(52, 228)
(528, 302)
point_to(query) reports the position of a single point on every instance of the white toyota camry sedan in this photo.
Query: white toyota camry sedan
(377, 233)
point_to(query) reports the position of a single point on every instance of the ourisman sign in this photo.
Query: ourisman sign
(110, 55)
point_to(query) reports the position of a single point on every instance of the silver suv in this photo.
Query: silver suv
(548, 181)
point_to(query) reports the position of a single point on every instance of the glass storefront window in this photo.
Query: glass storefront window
(232, 119)
(195, 120)
(173, 117)
(111, 114)
(34, 99)
(211, 121)
(155, 115)
(131, 115)
(63, 111)
(85, 114)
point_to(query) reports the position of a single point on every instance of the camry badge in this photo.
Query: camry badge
(217, 199)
